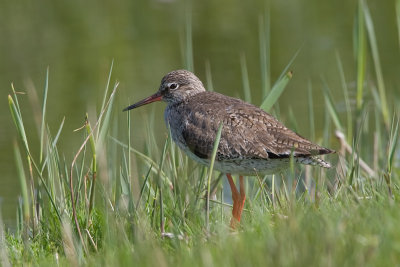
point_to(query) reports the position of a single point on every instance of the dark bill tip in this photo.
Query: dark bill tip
(153, 98)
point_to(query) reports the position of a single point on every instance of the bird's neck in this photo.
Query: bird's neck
(184, 98)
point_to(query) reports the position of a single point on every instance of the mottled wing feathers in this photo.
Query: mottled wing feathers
(248, 132)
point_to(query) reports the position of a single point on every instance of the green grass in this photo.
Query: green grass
(113, 204)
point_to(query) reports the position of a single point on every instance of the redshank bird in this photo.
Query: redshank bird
(252, 141)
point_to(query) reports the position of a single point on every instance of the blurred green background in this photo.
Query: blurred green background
(78, 40)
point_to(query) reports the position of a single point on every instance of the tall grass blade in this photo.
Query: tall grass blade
(279, 85)
(286, 69)
(16, 100)
(377, 63)
(103, 104)
(22, 181)
(94, 162)
(53, 144)
(393, 141)
(80, 174)
(42, 129)
(105, 123)
(245, 79)
(159, 182)
(292, 120)
(331, 107)
(143, 186)
(361, 54)
(346, 98)
(398, 19)
(173, 154)
(16, 115)
(276, 91)
(214, 153)
(210, 86)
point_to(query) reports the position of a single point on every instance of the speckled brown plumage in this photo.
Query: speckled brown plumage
(248, 132)
(252, 141)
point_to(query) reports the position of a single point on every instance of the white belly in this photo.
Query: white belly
(243, 166)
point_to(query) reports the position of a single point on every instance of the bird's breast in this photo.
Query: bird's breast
(175, 121)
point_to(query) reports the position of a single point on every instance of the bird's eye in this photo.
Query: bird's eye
(173, 86)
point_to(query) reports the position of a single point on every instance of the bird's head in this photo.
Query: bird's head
(175, 87)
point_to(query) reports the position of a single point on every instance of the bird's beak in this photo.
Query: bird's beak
(153, 98)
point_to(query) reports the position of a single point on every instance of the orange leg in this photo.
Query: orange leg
(238, 200)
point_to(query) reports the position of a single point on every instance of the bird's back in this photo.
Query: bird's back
(248, 132)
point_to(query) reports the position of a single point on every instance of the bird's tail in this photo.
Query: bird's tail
(313, 161)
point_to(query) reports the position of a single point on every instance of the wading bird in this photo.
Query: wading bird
(252, 141)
